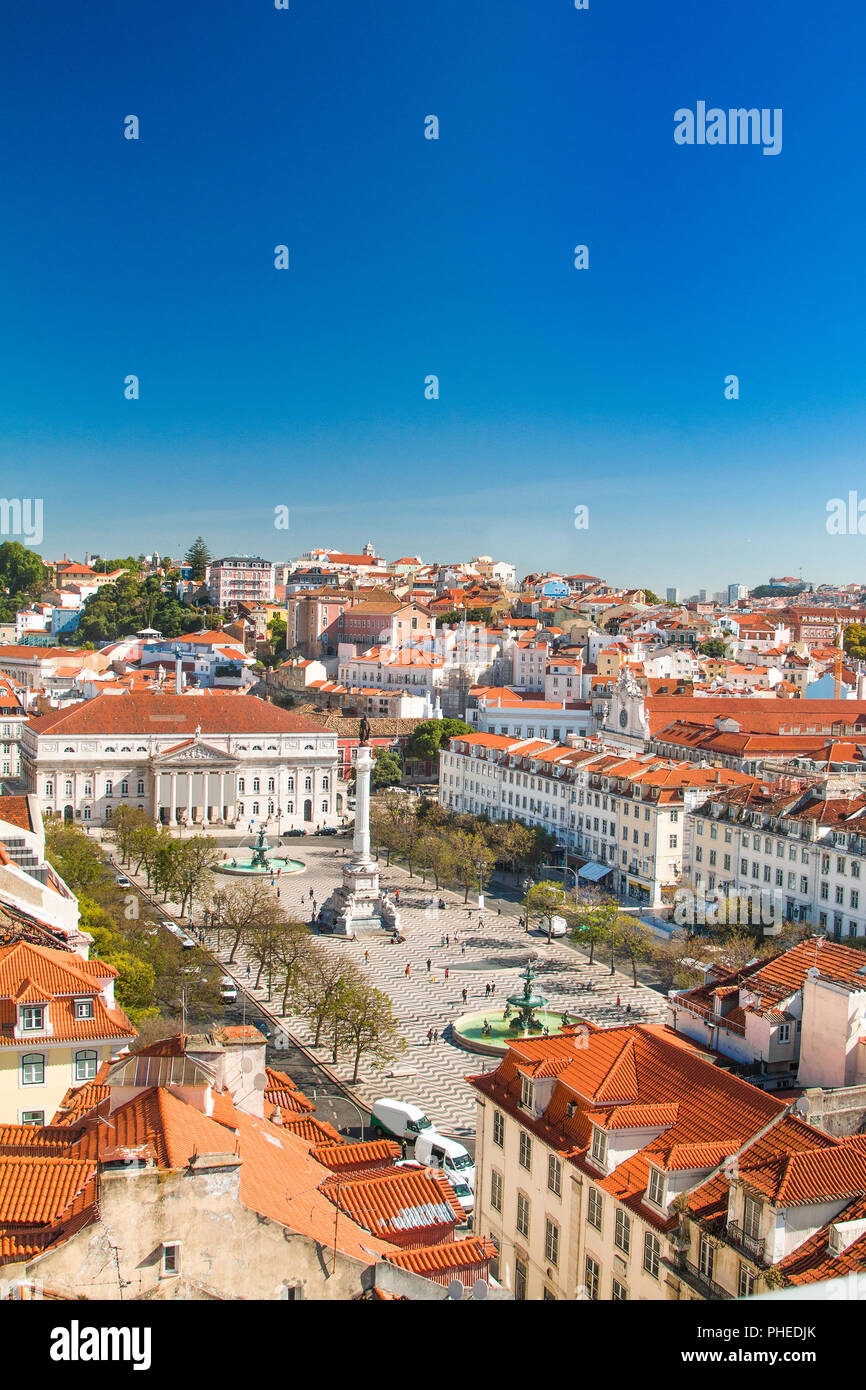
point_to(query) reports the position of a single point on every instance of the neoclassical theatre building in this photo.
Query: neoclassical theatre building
(207, 758)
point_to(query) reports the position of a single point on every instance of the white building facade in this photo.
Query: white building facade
(207, 759)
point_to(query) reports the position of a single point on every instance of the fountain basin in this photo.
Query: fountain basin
(467, 1031)
(243, 866)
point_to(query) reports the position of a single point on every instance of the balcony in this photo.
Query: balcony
(691, 1275)
(750, 1245)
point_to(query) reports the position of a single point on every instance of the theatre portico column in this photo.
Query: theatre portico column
(156, 796)
(189, 798)
(221, 810)
(173, 811)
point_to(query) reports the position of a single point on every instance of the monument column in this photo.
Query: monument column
(363, 773)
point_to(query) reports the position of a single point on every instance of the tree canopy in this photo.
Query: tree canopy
(427, 738)
(198, 557)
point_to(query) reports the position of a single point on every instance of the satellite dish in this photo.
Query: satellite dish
(480, 1289)
(455, 1289)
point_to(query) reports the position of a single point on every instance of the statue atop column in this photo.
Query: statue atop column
(364, 732)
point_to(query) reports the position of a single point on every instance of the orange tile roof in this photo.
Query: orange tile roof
(162, 713)
(39, 1191)
(403, 1205)
(341, 1157)
(448, 1258)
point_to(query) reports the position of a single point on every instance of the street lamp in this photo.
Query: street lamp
(347, 1101)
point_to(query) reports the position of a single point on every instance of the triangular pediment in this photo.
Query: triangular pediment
(194, 753)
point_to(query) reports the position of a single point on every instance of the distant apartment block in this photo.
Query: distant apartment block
(241, 579)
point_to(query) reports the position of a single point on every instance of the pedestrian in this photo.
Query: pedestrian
(429, 963)
(429, 1036)
(366, 956)
(448, 941)
(397, 896)
(463, 992)
(407, 972)
(618, 1001)
(480, 923)
(492, 988)
(499, 912)
(435, 1034)
(311, 894)
(442, 942)
(463, 948)
(446, 972)
(278, 892)
(628, 1008)
(248, 972)
(487, 991)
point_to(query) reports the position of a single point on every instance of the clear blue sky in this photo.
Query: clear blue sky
(408, 257)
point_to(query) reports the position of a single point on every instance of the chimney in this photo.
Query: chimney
(276, 1116)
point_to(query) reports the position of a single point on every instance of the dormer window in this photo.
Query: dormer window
(33, 1018)
(599, 1147)
(655, 1192)
(527, 1093)
(84, 1008)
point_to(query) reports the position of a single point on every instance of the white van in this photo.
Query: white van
(436, 1151)
(399, 1118)
(228, 990)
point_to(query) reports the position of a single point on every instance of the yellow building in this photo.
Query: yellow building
(58, 1023)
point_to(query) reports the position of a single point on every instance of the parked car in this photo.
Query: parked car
(122, 881)
(329, 830)
(228, 990)
(435, 1151)
(186, 942)
(292, 834)
(398, 1118)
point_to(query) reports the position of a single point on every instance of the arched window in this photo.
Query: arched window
(68, 788)
(256, 784)
(124, 789)
(291, 784)
(255, 811)
(69, 750)
(270, 784)
(240, 808)
(140, 787)
(85, 1065)
(32, 1069)
(241, 784)
(308, 784)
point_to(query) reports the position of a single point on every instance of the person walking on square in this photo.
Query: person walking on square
(446, 972)
(463, 992)
(429, 963)
(407, 972)
(429, 1036)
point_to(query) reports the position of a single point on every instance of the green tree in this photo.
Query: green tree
(22, 578)
(387, 768)
(632, 939)
(854, 641)
(594, 923)
(545, 900)
(321, 985)
(198, 557)
(367, 1025)
(427, 738)
(713, 646)
(651, 597)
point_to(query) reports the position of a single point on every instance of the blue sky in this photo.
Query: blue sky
(558, 387)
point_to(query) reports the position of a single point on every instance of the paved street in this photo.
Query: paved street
(432, 1074)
